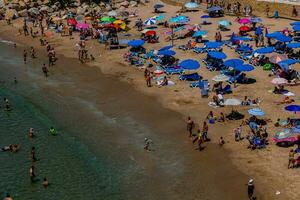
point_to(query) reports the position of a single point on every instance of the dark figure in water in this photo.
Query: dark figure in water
(25, 56)
(7, 105)
(8, 197)
(32, 173)
(15, 80)
(45, 182)
(33, 157)
(45, 70)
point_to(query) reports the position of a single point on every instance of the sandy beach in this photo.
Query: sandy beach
(268, 167)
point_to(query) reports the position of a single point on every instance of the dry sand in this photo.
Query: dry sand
(267, 166)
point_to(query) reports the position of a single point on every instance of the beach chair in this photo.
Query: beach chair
(204, 88)
(173, 70)
(190, 77)
(199, 50)
(227, 89)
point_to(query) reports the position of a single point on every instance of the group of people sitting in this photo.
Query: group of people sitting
(250, 102)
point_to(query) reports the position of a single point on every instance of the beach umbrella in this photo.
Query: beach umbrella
(118, 21)
(244, 28)
(279, 81)
(296, 28)
(288, 62)
(189, 64)
(196, 28)
(278, 57)
(233, 62)
(191, 5)
(244, 21)
(159, 17)
(232, 102)
(150, 33)
(213, 45)
(107, 19)
(285, 135)
(205, 17)
(293, 45)
(292, 108)
(220, 78)
(166, 48)
(264, 50)
(150, 21)
(256, 112)
(179, 19)
(274, 34)
(214, 9)
(217, 55)
(255, 20)
(224, 23)
(136, 43)
(82, 26)
(283, 38)
(199, 33)
(167, 53)
(245, 39)
(295, 23)
(244, 68)
(244, 48)
(158, 6)
(112, 13)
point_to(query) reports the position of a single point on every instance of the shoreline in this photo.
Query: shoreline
(190, 105)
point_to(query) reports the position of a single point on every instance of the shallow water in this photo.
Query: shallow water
(98, 153)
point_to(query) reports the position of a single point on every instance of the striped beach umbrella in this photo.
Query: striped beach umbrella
(150, 21)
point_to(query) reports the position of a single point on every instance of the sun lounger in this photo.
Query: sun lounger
(190, 77)
(204, 88)
(173, 70)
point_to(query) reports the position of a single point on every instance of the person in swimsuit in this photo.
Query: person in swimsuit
(8, 197)
(45, 70)
(33, 157)
(25, 56)
(31, 173)
(190, 126)
(45, 182)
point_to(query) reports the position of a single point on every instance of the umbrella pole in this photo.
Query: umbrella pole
(172, 36)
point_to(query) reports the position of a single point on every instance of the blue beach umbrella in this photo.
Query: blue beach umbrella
(191, 5)
(167, 53)
(256, 112)
(264, 50)
(274, 35)
(136, 43)
(288, 62)
(214, 8)
(205, 16)
(283, 38)
(189, 64)
(244, 68)
(294, 45)
(160, 17)
(166, 48)
(245, 49)
(292, 108)
(150, 21)
(158, 6)
(217, 55)
(295, 23)
(213, 45)
(255, 20)
(241, 39)
(296, 28)
(233, 62)
(199, 33)
(179, 19)
(224, 23)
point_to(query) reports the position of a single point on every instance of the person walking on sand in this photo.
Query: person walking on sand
(250, 189)
(199, 140)
(205, 131)
(25, 56)
(190, 126)
(294, 12)
(221, 141)
(291, 158)
(45, 70)
(267, 10)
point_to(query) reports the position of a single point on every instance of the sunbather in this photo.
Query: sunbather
(286, 100)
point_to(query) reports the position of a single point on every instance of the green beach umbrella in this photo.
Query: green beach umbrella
(107, 19)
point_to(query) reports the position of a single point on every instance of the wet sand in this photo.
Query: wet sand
(112, 120)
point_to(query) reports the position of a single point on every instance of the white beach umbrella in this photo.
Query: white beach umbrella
(150, 21)
(232, 102)
(112, 13)
(220, 78)
(279, 81)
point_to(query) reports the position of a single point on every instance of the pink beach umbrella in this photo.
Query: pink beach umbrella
(244, 21)
(279, 81)
(278, 57)
(82, 26)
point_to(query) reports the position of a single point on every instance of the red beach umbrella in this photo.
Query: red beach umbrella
(150, 33)
(244, 28)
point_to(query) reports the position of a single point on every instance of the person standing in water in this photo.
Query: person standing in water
(15, 80)
(25, 56)
(45, 182)
(32, 52)
(148, 142)
(31, 133)
(8, 197)
(33, 157)
(32, 174)
(45, 70)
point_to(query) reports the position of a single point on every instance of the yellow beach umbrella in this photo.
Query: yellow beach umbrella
(119, 22)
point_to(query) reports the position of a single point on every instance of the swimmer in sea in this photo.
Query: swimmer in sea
(25, 56)
(31, 133)
(33, 158)
(45, 182)
(31, 173)
(15, 80)
(8, 197)
(7, 105)
(52, 131)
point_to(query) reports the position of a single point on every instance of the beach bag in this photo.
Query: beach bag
(211, 121)
(267, 67)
